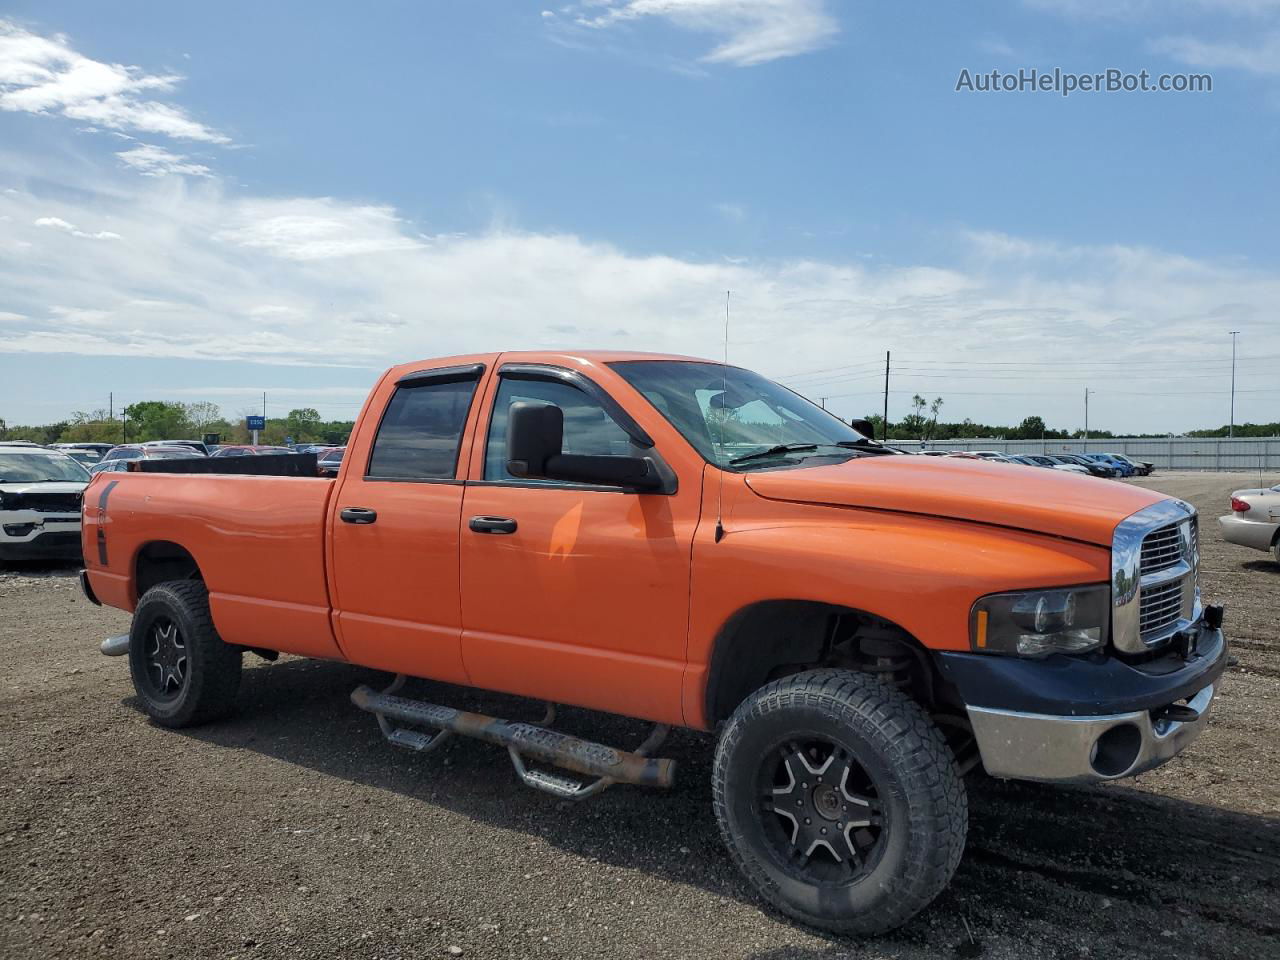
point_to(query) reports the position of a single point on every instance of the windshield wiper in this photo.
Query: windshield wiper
(774, 451)
(848, 446)
(865, 443)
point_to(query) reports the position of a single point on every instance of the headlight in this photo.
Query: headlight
(1036, 623)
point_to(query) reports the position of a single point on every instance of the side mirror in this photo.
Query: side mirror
(535, 437)
(535, 434)
(864, 427)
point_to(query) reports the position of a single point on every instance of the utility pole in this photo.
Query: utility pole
(1231, 430)
(884, 427)
(823, 402)
(264, 404)
(1086, 418)
(111, 406)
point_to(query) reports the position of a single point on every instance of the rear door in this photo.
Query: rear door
(393, 545)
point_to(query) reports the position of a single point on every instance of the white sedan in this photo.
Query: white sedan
(1254, 520)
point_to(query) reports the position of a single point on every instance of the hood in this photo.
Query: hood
(1055, 502)
(61, 486)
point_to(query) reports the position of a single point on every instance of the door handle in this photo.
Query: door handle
(358, 515)
(492, 525)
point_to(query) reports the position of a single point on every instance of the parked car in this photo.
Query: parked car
(330, 461)
(600, 534)
(1121, 467)
(197, 445)
(99, 448)
(40, 491)
(1041, 460)
(934, 453)
(86, 458)
(1141, 468)
(1095, 467)
(247, 450)
(1254, 520)
(993, 455)
(117, 458)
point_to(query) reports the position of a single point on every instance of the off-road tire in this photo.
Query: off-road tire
(924, 801)
(211, 676)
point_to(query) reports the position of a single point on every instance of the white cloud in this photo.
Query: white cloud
(1256, 55)
(58, 223)
(316, 229)
(213, 274)
(1163, 9)
(45, 75)
(153, 161)
(733, 212)
(750, 32)
(1211, 33)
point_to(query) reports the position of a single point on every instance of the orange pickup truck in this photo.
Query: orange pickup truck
(691, 544)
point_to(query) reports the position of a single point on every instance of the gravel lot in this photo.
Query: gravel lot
(293, 830)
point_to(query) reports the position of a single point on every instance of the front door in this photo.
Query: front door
(573, 593)
(394, 528)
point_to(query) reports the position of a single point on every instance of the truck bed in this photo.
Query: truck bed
(258, 542)
(264, 465)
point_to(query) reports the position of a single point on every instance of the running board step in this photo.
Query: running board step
(522, 740)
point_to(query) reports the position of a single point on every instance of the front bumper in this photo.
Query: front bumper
(40, 539)
(1258, 534)
(1068, 720)
(1064, 749)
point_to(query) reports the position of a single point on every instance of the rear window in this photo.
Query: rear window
(421, 431)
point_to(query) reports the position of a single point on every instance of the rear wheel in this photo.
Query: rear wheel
(182, 671)
(839, 800)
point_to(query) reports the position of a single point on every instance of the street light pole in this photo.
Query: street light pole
(1086, 418)
(1231, 430)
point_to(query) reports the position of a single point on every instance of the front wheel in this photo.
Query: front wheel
(182, 671)
(839, 800)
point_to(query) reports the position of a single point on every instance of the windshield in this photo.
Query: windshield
(731, 413)
(39, 468)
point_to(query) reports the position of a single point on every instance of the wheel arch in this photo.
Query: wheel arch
(159, 560)
(772, 638)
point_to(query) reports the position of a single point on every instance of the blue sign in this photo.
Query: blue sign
(255, 423)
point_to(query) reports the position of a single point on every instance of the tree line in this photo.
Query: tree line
(165, 420)
(923, 423)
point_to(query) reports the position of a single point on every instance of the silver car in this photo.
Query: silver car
(1254, 520)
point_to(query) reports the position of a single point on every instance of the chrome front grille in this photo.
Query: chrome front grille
(1154, 564)
(1162, 549)
(1161, 606)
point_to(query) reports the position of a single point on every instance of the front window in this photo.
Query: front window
(729, 414)
(39, 468)
(588, 428)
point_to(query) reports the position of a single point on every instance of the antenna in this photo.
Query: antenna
(724, 393)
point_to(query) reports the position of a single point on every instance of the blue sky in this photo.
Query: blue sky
(206, 202)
